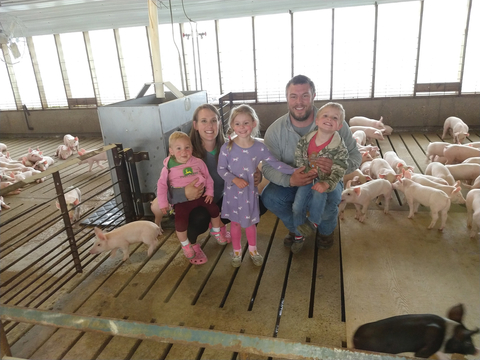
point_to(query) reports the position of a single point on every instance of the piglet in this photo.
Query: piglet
(457, 197)
(457, 129)
(371, 132)
(417, 194)
(362, 195)
(360, 137)
(3, 205)
(439, 170)
(364, 121)
(458, 153)
(381, 169)
(423, 334)
(473, 211)
(71, 142)
(120, 238)
(435, 149)
(63, 152)
(94, 159)
(31, 157)
(357, 177)
(72, 199)
(475, 185)
(395, 162)
(43, 164)
(465, 171)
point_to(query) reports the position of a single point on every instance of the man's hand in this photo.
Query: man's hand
(299, 178)
(257, 177)
(192, 192)
(325, 164)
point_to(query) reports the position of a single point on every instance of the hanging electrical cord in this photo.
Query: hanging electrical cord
(178, 51)
(193, 50)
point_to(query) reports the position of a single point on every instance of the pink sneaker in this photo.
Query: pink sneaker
(221, 239)
(188, 251)
(226, 234)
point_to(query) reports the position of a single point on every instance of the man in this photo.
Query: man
(281, 138)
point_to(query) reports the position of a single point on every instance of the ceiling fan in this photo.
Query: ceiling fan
(12, 39)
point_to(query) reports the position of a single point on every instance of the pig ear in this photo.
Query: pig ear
(457, 184)
(76, 202)
(381, 119)
(99, 233)
(381, 176)
(57, 205)
(368, 178)
(456, 313)
(349, 183)
(30, 150)
(357, 190)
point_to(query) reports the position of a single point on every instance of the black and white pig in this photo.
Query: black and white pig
(423, 334)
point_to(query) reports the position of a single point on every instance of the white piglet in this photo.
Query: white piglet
(436, 149)
(362, 195)
(371, 132)
(456, 128)
(395, 162)
(381, 169)
(439, 170)
(121, 238)
(364, 121)
(417, 194)
(72, 199)
(473, 211)
(94, 159)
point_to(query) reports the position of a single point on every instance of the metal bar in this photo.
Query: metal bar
(465, 45)
(66, 219)
(418, 48)
(135, 184)
(375, 35)
(123, 183)
(221, 340)
(4, 347)
(27, 114)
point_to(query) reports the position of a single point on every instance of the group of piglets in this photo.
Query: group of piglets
(33, 162)
(451, 167)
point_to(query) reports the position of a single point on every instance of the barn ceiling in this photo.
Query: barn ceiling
(41, 17)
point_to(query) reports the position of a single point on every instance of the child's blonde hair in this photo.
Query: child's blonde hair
(243, 109)
(336, 106)
(177, 135)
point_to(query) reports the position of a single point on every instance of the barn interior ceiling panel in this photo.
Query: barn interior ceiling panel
(43, 17)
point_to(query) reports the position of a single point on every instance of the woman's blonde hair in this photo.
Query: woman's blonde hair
(243, 109)
(197, 144)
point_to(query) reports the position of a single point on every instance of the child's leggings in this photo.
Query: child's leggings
(236, 232)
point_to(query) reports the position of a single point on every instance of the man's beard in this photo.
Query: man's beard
(302, 118)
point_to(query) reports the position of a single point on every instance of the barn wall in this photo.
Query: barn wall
(422, 113)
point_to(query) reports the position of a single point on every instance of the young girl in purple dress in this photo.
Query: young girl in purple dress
(237, 162)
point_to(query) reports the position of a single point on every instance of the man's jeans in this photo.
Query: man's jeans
(279, 200)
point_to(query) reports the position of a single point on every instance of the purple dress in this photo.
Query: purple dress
(241, 205)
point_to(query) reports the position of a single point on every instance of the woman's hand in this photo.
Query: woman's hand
(240, 183)
(192, 192)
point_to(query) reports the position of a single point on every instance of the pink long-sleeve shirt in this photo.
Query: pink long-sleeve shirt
(180, 176)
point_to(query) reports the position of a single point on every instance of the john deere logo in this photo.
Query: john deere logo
(187, 171)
